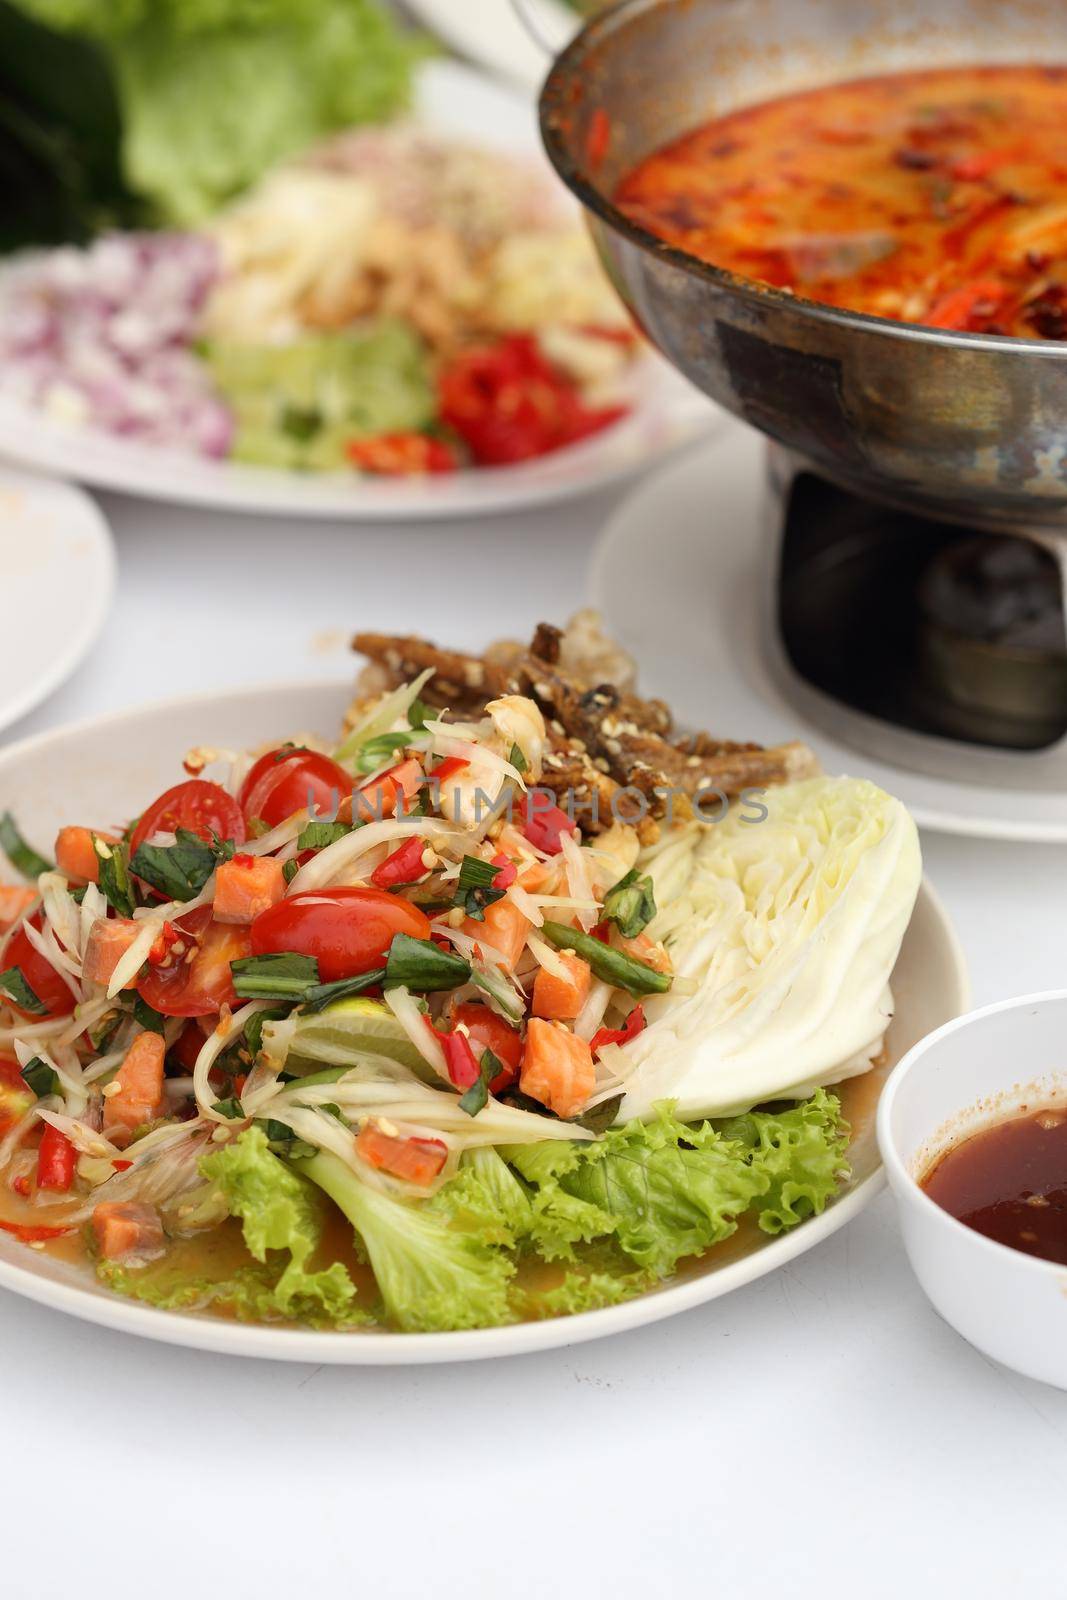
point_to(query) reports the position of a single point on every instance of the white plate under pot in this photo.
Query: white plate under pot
(107, 767)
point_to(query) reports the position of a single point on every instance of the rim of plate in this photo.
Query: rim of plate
(93, 526)
(224, 1337)
(666, 413)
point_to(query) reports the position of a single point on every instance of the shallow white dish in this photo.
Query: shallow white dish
(682, 574)
(101, 768)
(57, 562)
(454, 100)
(994, 1062)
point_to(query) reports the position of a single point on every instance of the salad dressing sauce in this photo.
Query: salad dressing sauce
(1009, 1182)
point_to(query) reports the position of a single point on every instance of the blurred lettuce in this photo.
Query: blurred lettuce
(217, 91)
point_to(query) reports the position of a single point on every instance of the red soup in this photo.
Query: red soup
(931, 197)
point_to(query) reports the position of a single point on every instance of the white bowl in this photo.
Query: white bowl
(990, 1063)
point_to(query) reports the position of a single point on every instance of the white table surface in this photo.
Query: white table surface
(821, 1432)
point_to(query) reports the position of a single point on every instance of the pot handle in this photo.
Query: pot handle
(543, 33)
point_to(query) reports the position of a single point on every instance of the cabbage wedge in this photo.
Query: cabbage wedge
(787, 931)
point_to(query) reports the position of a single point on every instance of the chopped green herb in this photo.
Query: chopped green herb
(254, 1027)
(477, 1096)
(13, 984)
(517, 759)
(284, 976)
(420, 965)
(150, 1019)
(277, 1132)
(180, 870)
(377, 751)
(301, 422)
(321, 995)
(631, 905)
(22, 856)
(474, 891)
(317, 835)
(114, 875)
(40, 1077)
(419, 714)
(610, 966)
(231, 1109)
(290, 869)
(601, 1117)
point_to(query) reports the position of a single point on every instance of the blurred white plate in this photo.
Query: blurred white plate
(667, 412)
(57, 574)
(106, 767)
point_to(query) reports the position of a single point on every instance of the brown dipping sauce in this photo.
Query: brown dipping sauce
(1010, 1183)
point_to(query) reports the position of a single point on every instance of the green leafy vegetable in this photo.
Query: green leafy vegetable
(40, 1077)
(114, 875)
(610, 966)
(432, 1275)
(317, 835)
(377, 751)
(589, 1291)
(474, 889)
(231, 1109)
(631, 905)
(254, 1028)
(802, 1154)
(283, 976)
(150, 1019)
(290, 870)
(420, 965)
(323, 995)
(279, 1211)
(485, 1197)
(22, 856)
(518, 759)
(180, 870)
(12, 983)
(476, 1097)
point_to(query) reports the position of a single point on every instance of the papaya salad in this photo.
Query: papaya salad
(504, 1006)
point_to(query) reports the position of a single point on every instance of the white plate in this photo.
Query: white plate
(57, 563)
(694, 600)
(666, 411)
(104, 767)
(489, 32)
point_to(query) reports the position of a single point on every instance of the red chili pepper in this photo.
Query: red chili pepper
(509, 404)
(635, 1024)
(602, 931)
(169, 935)
(32, 1233)
(462, 1066)
(244, 860)
(56, 1160)
(403, 866)
(448, 768)
(506, 873)
(121, 1165)
(21, 1185)
(400, 455)
(545, 826)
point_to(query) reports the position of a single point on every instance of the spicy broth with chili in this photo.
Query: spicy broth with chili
(935, 197)
(1009, 1182)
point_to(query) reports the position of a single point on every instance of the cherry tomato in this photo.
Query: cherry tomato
(56, 1161)
(489, 1032)
(188, 1047)
(286, 781)
(201, 987)
(40, 974)
(201, 807)
(348, 931)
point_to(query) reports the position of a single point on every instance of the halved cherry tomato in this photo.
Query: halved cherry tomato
(189, 1045)
(201, 987)
(347, 930)
(489, 1032)
(40, 974)
(201, 807)
(284, 782)
(56, 1161)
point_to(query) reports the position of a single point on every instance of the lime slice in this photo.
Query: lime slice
(346, 1031)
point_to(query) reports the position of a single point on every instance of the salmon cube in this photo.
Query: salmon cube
(76, 855)
(504, 929)
(13, 902)
(416, 1159)
(127, 1232)
(645, 949)
(246, 886)
(109, 940)
(557, 1068)
(138, 1097)
(561, 998)
(383, 797)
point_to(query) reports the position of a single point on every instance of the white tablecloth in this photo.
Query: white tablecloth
(819, 1433)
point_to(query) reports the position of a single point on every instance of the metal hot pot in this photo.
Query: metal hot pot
(962, 427)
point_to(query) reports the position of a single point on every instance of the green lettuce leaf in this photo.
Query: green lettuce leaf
(485, 1197)
(802, 1154)
(432, 1275)
(279, 1211)
(249, 1294)
(589, 1291)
